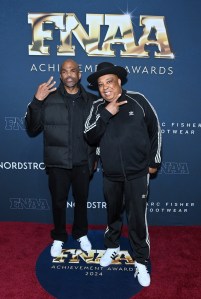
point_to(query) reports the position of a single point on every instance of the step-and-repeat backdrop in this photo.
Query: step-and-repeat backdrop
(156, 41)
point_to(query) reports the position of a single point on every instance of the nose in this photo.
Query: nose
(68, 73)
(105, 85)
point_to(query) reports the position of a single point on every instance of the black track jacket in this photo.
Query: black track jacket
(130, 141)
(53, 117)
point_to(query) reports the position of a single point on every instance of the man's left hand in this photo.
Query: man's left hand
(152, 170)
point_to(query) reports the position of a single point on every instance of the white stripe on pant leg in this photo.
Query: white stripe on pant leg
(107, 230)
(147, 232)
(146, 224)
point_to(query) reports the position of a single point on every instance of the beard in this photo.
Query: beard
(69, 82)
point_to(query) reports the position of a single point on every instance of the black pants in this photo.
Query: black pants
(60, 181)
(131, 195)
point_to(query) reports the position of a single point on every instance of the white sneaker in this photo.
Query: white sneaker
(85, 244)
(56, 248)
(142, 274)
(109, 255)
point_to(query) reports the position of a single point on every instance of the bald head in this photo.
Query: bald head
(71, 63)
(70, 75)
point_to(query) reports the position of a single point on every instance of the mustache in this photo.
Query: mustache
(67, 78)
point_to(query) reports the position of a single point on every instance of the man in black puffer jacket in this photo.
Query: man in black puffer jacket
(126, 127)
(61, 113)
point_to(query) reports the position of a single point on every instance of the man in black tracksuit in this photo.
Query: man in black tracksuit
(61, 113)
(126, 127)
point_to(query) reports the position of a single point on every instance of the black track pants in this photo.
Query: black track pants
(131, 195)
(60, 181)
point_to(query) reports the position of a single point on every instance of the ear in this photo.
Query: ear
(119, 81)
(79, 75)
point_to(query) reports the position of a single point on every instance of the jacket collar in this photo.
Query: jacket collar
(83, 93)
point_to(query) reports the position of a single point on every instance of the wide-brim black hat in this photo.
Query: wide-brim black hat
(105, 68)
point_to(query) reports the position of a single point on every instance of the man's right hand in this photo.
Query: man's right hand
(45, 89)
(113, 106)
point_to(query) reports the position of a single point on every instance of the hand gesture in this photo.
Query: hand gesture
(113, 107)
(45, 89)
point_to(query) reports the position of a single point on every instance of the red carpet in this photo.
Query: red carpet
(175, 256)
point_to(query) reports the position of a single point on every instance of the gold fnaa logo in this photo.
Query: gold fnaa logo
(119, 28)
(73, 256)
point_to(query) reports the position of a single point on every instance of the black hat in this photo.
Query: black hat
(105, 68)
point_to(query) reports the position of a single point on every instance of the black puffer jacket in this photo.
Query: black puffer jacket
(53, 117)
